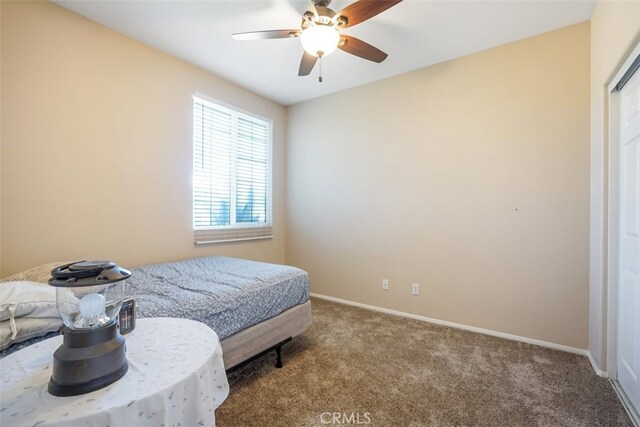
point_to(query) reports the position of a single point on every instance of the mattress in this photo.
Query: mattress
(227, 294)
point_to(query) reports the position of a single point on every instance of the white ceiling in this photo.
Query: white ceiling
(415, 34)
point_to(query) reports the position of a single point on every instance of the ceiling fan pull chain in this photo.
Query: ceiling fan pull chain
(320, 69)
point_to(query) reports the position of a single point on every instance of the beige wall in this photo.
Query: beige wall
(86, 109)
(96, 145)
(615, 30)
(470, 177)
(0, 141)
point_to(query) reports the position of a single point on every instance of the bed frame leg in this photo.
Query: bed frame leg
(279, 355)
(277, 348)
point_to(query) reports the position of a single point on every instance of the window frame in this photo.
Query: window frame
(204, 235)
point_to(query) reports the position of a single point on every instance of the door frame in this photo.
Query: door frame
(613, 226)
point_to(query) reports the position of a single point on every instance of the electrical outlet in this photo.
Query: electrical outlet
(415, 289)
(385, 284)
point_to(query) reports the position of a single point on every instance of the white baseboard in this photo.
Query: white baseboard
(540, 343)
(597, 370)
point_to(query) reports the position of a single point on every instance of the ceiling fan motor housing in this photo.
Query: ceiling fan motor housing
(321, 3)
(323, 16)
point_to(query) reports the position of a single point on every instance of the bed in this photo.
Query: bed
(254, 307)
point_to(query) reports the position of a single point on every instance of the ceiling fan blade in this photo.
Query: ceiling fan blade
(364, 9)
(265, 35)
(359, 48)
(307, 64)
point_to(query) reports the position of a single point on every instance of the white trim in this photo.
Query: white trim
(624, 68)
(244, 239)
(216, 103)
(597, 370)
(235, 226)
(613, 232)
(612, 226)
(635, 417)
(490, 332)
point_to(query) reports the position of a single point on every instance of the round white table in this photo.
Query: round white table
(176, 377)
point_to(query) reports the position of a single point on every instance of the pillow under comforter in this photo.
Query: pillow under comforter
(27, 310)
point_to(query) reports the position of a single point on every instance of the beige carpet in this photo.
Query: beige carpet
(391, 371)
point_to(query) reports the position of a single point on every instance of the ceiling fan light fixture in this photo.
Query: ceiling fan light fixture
(320, 40)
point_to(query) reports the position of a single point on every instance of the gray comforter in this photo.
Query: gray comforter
(228, 294)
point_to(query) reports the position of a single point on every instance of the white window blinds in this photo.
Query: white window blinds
(231, 174)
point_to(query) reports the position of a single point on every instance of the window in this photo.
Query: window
(231, 174)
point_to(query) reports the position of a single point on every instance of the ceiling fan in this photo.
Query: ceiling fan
(320, 32)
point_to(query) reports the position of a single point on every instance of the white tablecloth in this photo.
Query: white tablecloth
(176, 375)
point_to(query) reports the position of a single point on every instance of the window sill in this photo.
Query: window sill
(242, 239)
